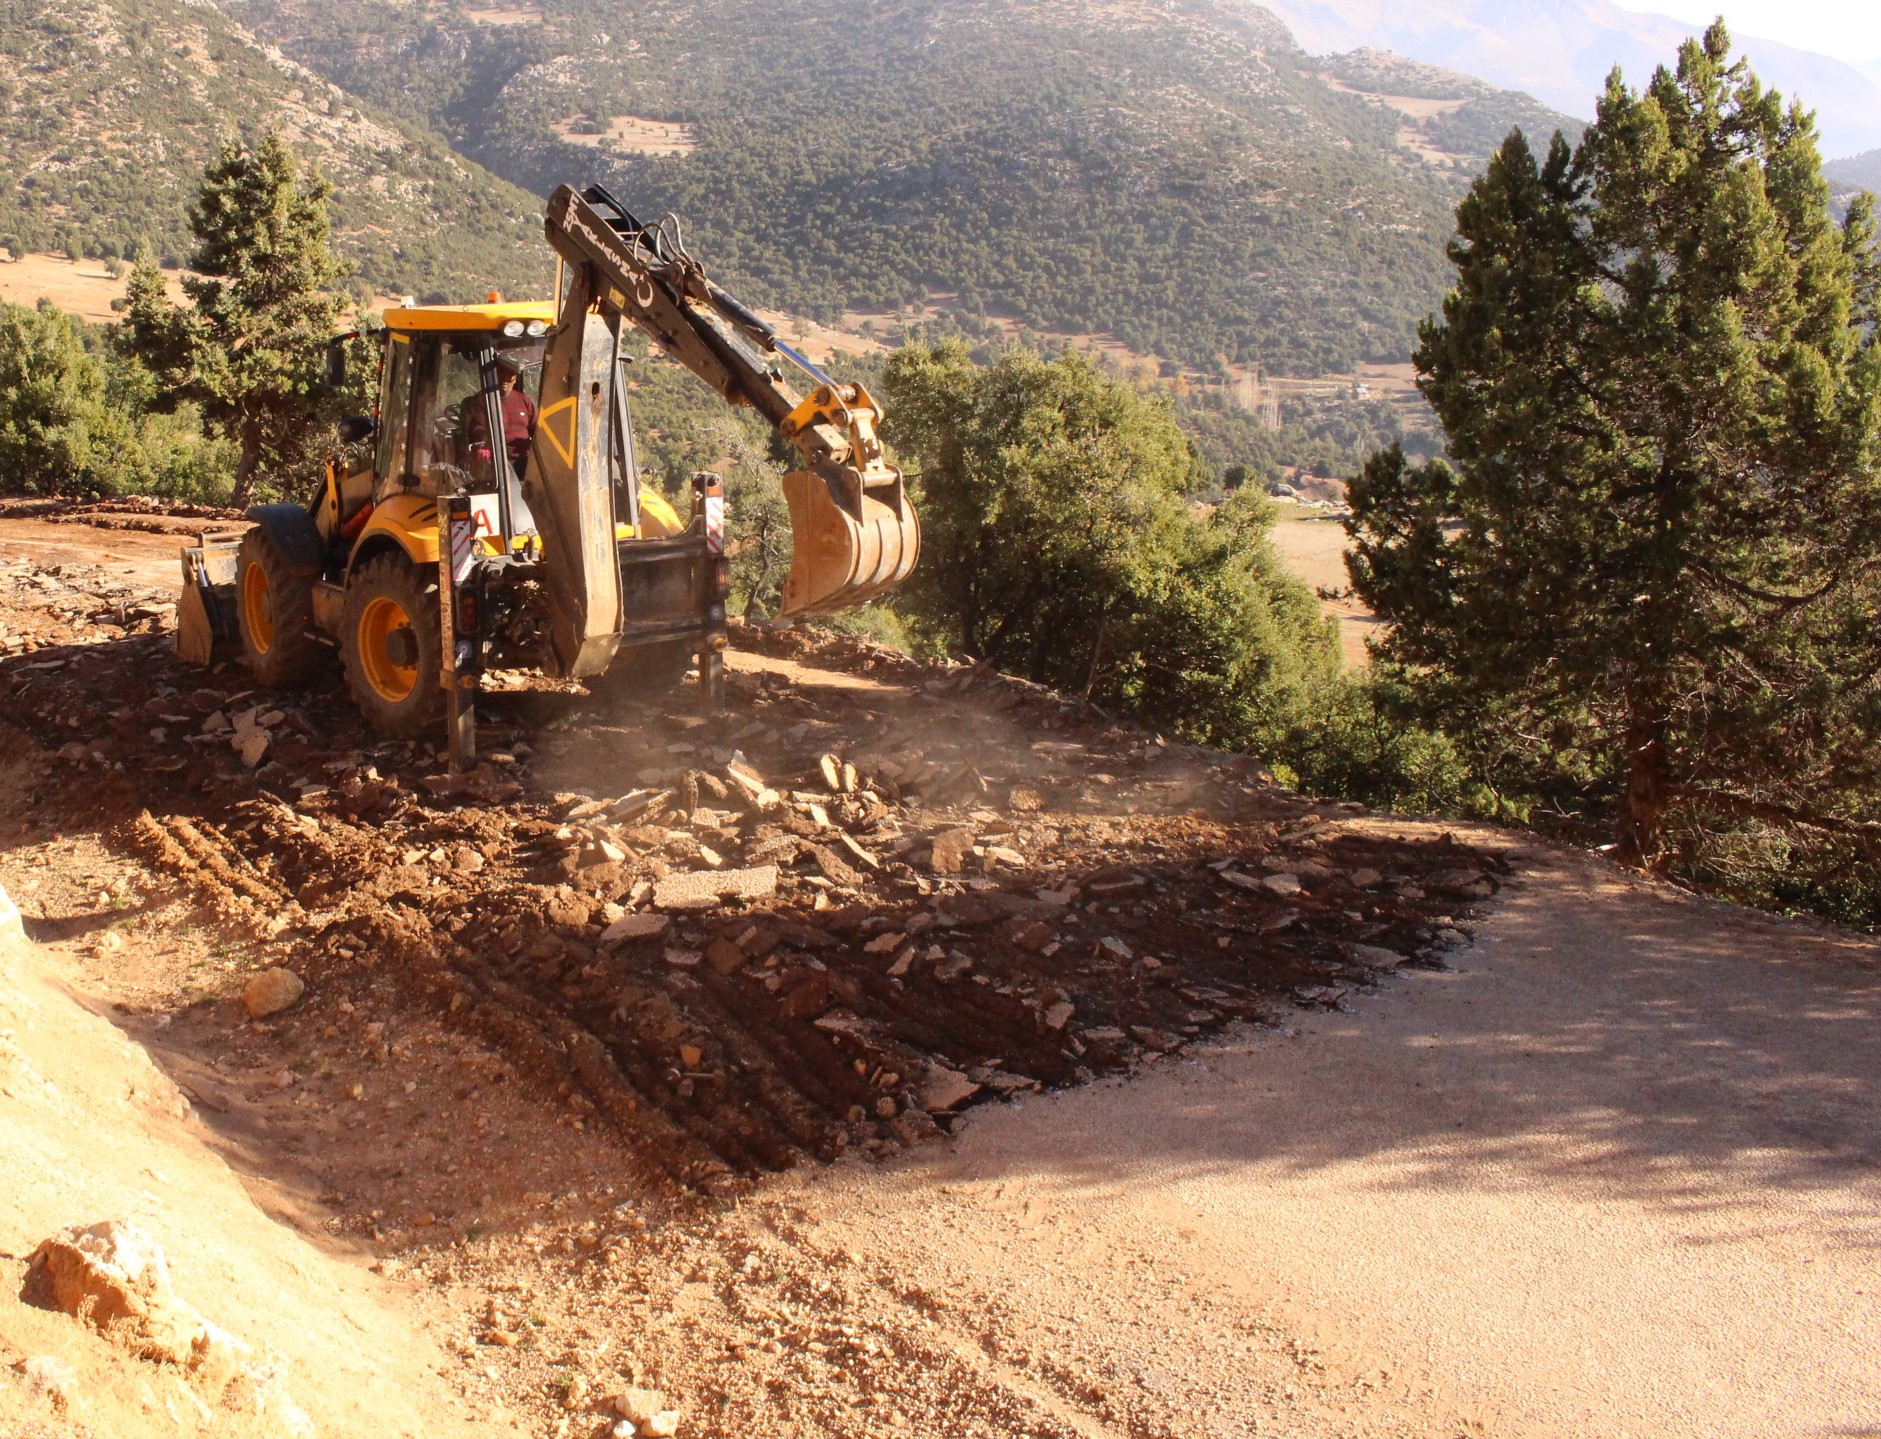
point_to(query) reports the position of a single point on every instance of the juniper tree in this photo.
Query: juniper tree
(1650, 578)
(1058, 544)
(248, 347)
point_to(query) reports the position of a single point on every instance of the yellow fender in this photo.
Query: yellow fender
(657, 518)
(411, 520)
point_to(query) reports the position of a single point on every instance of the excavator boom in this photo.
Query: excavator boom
(854, 535)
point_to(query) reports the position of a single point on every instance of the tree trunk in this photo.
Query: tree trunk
(764, 572)
(1097, 654)
(248, 470)
(1648, 790)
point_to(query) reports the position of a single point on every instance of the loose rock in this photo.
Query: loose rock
(636, 926)
(638, 1406)
(1373, 956)
(708, 888)
(271, 992)
(951, 848)
(945, 1088)
(114, 1276)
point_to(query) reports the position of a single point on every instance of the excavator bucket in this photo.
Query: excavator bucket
(851, 539)
(205, 610)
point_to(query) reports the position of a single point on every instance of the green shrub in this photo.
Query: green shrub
(1058, 544)
(72, 420)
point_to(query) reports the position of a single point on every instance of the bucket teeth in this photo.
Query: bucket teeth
(851, 540)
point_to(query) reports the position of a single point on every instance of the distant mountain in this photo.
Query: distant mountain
(1179, 175)
(1857, 172)
(1561, 50)
(110, 109)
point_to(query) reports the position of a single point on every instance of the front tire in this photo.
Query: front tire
(391, 643)
(274, 612)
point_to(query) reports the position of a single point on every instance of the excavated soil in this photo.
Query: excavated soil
(955, 888)
(1609, 1172)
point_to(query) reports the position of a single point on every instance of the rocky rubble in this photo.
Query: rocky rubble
(823, 922)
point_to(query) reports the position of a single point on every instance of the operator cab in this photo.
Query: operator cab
(442, 399)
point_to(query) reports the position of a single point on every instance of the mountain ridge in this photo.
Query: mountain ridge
(1180, 176)
(1560, 51)
(110, 109)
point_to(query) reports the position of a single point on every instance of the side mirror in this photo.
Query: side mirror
(355, 428)
(336, 364)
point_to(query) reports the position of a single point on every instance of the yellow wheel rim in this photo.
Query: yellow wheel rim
(257, 610)
(378, 622)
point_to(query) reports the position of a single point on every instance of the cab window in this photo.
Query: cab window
(451, 427)
(394, 406)
(527, 356)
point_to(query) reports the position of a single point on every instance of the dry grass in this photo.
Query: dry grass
(1313, 550)
(504, 17)
(820, 341)
(634, 135)
(79, 287)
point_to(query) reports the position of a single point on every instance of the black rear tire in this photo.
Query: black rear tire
(392, 646)
(274, 613)
(643, 674)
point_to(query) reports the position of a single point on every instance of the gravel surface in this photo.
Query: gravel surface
(1614, 1173)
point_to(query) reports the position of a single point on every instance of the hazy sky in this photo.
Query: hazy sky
(1847, 29)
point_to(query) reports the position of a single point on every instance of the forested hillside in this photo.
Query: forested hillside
(109, 110)
(1182, 177)
(1857, 172)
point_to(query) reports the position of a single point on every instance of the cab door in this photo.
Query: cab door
(395, 410)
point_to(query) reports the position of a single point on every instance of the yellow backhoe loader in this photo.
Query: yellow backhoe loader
(500, 519)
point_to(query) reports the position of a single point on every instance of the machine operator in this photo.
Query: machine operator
(519, 413)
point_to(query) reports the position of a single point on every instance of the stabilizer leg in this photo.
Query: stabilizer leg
(458, 663)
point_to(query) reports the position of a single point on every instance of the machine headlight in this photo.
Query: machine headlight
(512, 328)
(538, 328)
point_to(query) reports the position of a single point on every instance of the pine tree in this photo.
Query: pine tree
(1648, 586)
(249, 345)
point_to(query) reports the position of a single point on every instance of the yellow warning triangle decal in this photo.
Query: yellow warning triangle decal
(562, 413)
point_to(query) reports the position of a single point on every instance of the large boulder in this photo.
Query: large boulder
(114, 1277)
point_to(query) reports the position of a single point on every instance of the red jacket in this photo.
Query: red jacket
(519, 421)
(519, 417)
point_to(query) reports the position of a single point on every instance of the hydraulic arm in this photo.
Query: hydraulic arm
(854, 535)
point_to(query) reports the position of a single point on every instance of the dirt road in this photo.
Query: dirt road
(1618, 1172)
(1610, 1170)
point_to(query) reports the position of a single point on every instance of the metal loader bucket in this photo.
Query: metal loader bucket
(851, 540)
(205, 610)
